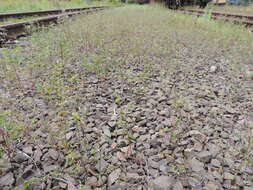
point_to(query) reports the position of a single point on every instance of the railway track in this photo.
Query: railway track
(10, 32)
(246, 20)
(4, 16)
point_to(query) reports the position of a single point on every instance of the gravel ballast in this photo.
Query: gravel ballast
(130, 98)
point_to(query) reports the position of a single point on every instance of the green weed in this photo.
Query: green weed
(12, 127)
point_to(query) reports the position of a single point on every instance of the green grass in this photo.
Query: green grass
(11, 127)
(29, 5)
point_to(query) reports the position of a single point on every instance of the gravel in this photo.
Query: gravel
(171, 110)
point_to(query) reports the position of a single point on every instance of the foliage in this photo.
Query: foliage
(11, 127)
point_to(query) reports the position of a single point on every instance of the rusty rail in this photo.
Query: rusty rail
(14, 30)
(246, 20)
(4, 16)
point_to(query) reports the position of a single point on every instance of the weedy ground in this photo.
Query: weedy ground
(29, 5)
(239, 9)
(136, 97)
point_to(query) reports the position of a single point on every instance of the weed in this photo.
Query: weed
(76, 116)
(118, 100)
(72, 157)
(74, 169)
(11, 127)
(30, 182)
(121, 122)
(55, 173)
(180, 169)
(97, 66)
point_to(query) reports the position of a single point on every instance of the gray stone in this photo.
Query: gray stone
(197, 135)
(106, 131)
(113, 176)
(153, 164)
(112, 123)
(49, 168)
(28, 150)
(37, 155)
(69, 135)
(135, 135)
(213, 69)
(162, 183)
(153, 172)
(228, 162)
(143, 138)
(165, 113)
(21, 157)
(211, 186)
(63, 185)
(21, 187)
(7, 179)
(53, 154)
(188, 152)
(205, 156)
(247, 170)
(120, 132)
(164, 169)
(193, 181)
(248, 188)
(216, 163)
(196, 165)
(166, 123)
(214, 149)
(92, 181)
(132, 176)
(142, 123)
(178, 186)
(217, 176)
(101, 165)
(228, 176)
(238, 180)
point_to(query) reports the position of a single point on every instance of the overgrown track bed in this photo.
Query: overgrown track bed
(4, 16)
(246, 20)
(14, 30)
(132, 98)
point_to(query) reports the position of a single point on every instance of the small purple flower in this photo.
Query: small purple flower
(242, 121)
